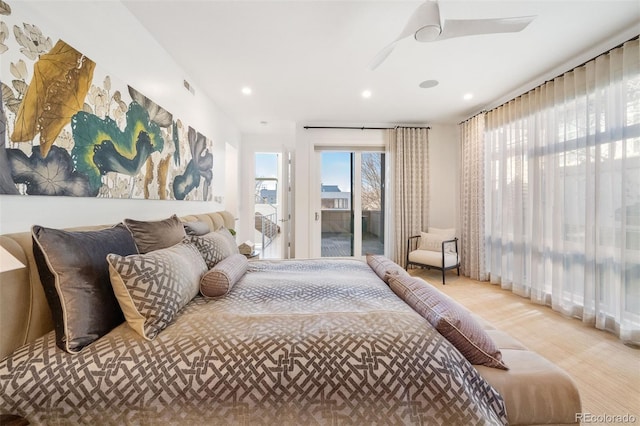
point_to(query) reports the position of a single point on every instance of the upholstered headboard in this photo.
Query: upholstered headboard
(24, 311)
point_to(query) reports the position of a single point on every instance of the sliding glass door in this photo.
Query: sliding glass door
(336, 204)
(351, 204)
(372, 203)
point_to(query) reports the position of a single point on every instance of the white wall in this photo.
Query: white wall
(444, 176)
(107, 33)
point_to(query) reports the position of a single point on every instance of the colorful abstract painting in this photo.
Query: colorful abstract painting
(67, 128)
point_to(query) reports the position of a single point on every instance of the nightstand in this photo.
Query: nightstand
(254, 255)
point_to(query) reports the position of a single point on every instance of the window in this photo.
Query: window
(563, 192)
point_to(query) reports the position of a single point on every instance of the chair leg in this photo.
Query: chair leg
(458, 270)
(442, 276)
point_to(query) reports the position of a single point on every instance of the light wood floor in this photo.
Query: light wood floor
(606, 371)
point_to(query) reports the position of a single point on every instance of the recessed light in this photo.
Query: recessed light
(246, 90)
(366, 94)
(427, 84)
(264, 123)
(467, 96)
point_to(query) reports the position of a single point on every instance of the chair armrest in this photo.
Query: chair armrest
(412, 243)
(454, 240)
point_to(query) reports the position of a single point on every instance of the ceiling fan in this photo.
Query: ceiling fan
(426, 26)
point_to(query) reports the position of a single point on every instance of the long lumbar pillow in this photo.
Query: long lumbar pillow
(450, 318)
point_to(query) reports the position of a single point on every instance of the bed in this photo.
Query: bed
(319, 341)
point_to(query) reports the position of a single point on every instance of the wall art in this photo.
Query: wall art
(67, 128)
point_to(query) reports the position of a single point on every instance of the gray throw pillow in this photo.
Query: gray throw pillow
(155, 235)
(196, 228)
(75, 277)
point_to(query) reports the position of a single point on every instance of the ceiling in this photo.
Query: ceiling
(307, 61)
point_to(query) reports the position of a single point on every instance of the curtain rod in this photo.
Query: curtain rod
(365, 128)
(553, 78)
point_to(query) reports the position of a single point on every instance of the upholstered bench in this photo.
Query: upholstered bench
(534, 389)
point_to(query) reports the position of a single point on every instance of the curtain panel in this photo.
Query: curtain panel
(472, 236)
(562, 195)
(409, 151)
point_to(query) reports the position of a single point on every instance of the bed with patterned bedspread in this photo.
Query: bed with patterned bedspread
(294, 342)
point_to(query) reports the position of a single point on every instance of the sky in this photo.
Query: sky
(335, 170)
(267, 165)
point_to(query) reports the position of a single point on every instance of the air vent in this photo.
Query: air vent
(189, 87)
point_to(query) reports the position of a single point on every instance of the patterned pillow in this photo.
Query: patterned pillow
(153, 287)
(230, 239)
(75, 278)
(384, 267)
(155, 235)
(214, 247)
(451, 319)
(219, 279)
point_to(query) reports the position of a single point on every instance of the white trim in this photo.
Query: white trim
(357, 204)
(567, 66)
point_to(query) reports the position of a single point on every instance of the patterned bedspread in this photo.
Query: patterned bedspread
(293, 343)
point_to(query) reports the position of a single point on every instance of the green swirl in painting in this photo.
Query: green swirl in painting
(101, 147)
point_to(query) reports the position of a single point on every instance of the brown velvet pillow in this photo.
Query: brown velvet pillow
(156, 235)
(450, 318)
(75, 277)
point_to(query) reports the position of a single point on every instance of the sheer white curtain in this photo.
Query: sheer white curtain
(472, 238)
(563, 193)
(409, 151)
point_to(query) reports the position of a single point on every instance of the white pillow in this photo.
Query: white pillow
(433, 242)
(446, 233)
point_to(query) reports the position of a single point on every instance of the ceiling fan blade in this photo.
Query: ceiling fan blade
(468, 27)
(381, 56)
(427, 13)
(386, 51)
